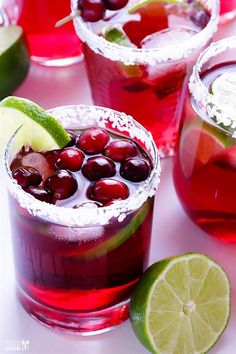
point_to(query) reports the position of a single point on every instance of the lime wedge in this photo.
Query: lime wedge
(223, 88)
(116, 35)
(198, 144)
(38, 128)
(144, 3)
(14, 59)
(181, 305)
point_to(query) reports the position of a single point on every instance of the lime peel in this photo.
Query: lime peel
(38, 129)
(198, 332)
(221, 104)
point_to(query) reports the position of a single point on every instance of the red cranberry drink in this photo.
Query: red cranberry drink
(138, 59)
(205, 166)
(227, 10)
(48, 45)
(81, 218)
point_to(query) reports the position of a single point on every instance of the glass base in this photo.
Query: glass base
(84, 323)
(57, 62)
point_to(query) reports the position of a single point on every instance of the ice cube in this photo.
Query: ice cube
(76, 234)
(166, 37)
(39, 162)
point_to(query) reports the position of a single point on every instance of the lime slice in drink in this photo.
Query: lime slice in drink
(14, 59)
(116, 35)
(223, 88)
(181, 305)
(198, 144)
(38, 128)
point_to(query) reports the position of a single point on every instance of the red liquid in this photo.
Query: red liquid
(205, 171)
(227, 6)
(79, 275)
(153, 95)
(46, 42)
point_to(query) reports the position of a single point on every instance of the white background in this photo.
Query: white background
(173, 233)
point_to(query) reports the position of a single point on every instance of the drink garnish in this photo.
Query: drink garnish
(39, 129)
(222, 100)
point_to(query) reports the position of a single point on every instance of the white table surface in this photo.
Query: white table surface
(173, 233)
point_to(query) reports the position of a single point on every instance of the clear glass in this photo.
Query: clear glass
(148, 84)
(75, 268)
(49, 45)
(227, 10)
(205, 165)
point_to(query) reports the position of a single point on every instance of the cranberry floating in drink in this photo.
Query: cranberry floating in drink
(205, 166)
(81, 234)
(139, 58)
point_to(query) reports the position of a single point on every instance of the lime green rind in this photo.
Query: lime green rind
(121, 236)
(14, 65)
(144, 3)
(143, 292)
(115, 35)
(40, 116)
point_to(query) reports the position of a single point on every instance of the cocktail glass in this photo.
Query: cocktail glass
(205, 165)
(48, 45)
(75, 268)
(148, 84)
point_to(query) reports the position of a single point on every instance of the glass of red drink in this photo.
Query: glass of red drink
(78, 258)
(227, 10)
(205, 165)
(139, 58)
(49, 45)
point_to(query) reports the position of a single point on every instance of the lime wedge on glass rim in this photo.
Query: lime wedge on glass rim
(181, 305)
(223, 89)
(14, 59)
(38, 129)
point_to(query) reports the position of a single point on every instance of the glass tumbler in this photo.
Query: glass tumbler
(205, 165)
(147, 83)
(75, 268)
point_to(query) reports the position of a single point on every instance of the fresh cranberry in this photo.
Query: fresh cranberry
(98, 167)
(120, 149)
(135, 169)
(70, 159)
(39, 193)
(108, 189)
(62, 184)
(93, 140)
(91, 10)
(27, 176)
(115, 4)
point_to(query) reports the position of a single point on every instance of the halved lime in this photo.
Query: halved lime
(38, 128)
(14, 59)
(181, 305)
(223, 88)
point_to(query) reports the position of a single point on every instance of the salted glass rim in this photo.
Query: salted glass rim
(172, 52)
(206, 103)
(83, 216)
